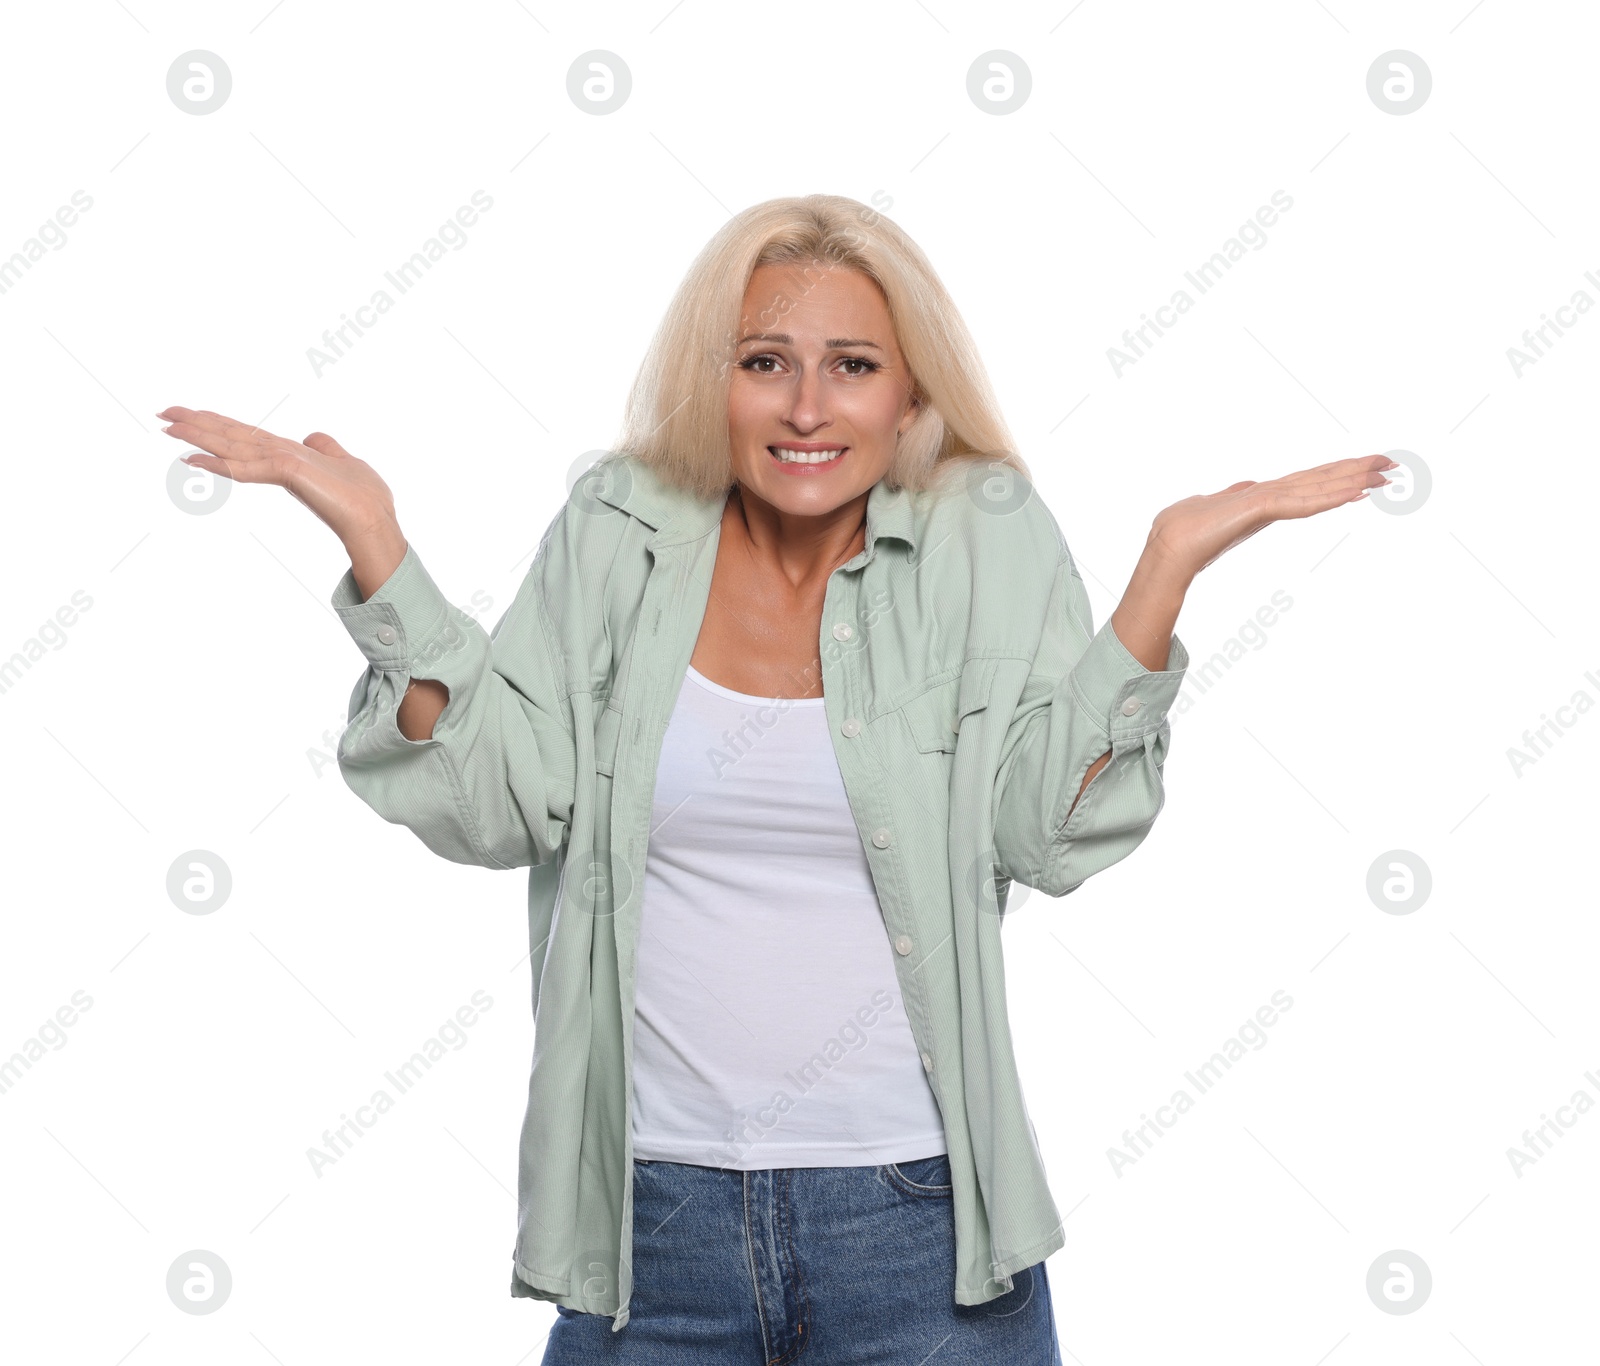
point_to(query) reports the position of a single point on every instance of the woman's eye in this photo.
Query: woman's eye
(755, 364)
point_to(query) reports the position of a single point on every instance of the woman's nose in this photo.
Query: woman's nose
(807, 405)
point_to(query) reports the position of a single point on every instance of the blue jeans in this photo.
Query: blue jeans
(818, 1266)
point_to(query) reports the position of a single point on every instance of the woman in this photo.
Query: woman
(797, 684)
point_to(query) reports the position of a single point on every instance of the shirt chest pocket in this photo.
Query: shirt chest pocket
(934, 716)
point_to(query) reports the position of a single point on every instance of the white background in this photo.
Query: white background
(184, 707)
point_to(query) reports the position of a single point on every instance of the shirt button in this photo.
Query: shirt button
(902, 945)
(852, 728)
(1131, 705)
(843, 631)
(386, 634)
(927, 1063)
(881, 838)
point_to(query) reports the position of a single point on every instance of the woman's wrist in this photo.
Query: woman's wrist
(375, 554)
(1164, 570)
(1145, 618)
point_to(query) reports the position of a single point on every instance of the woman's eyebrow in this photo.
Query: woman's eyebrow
(785, 339)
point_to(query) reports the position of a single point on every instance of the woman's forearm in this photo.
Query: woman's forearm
(1144, 621)
(1148, 613)
(375, 553)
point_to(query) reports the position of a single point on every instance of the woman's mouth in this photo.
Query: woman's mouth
(807, 458)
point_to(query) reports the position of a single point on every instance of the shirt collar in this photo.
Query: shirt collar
(678, 515)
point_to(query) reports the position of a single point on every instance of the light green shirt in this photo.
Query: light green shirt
(966, 692)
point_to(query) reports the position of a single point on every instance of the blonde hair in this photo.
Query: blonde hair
(676, 418)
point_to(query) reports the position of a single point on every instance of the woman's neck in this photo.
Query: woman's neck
(799, 549)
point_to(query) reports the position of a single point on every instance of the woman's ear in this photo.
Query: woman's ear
(912, 413)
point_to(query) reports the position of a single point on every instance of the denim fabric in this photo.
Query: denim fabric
(818, 1266)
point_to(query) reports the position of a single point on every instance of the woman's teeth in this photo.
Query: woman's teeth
(790, 457)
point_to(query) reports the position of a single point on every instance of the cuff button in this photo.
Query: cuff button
(1131, 706)
(386, 635)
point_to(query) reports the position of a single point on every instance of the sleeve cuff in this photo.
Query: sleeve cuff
(1128, 699)
(395, 627)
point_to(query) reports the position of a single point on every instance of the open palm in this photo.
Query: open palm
(1195, 531)
(344, 492)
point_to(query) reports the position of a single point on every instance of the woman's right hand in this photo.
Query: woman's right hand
(343, 491)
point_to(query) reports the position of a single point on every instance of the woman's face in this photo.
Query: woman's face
(817, 368)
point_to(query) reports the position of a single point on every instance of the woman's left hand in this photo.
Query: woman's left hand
(1190, 534)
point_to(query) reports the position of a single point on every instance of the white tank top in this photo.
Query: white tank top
(769, 1029)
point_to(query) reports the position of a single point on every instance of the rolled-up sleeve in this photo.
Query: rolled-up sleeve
(1085, 695)
(494, 785)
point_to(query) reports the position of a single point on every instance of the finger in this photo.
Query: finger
(240, 471)
(222, 436)
(247, 454)
(1336, 469)
(1366, 464)
(1314, 471)
(1342, 482)
(209, 439)
(229, 426)
(1336, 476)
(1284, 503)
(1361, 463)
(324, 444)
(218, 424)
(198, 417)
(1366, 475)
(1340, 492)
